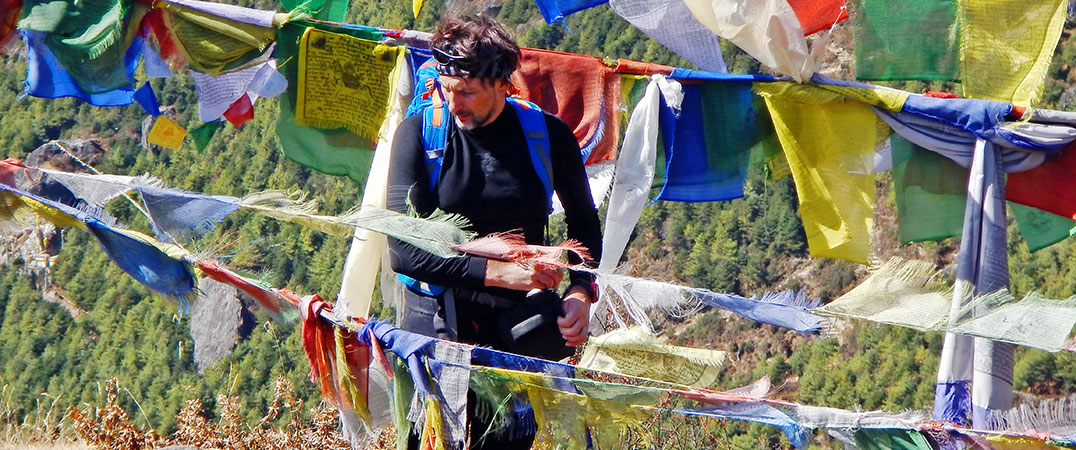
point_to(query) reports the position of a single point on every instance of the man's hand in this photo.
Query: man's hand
(575, 325)
(514, 276)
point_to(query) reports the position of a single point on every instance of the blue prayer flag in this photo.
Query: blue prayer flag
(554, 10)
(46, 77)
(708, 146)
(147, 99)
(146, 263)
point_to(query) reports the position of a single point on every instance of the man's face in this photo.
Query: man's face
(473, 101)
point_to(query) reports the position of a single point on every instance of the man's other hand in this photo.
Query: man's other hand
(510, 275)
(575, 324)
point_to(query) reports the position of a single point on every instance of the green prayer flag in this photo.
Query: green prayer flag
(213, 44)
(204, 133)
(1041, 229)
(907, 40)
(89, 38)
(336, 151)
(891, 439)
(330, 10)
(45, 16)
(931, 191)
(767, 151)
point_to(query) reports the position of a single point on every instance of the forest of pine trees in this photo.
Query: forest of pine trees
(747, 246)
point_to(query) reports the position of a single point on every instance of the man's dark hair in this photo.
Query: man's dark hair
(474, 47)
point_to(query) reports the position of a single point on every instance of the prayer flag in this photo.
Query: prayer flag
(218, 93)
(154, 65)
(13, 200)
(210, 43)
(269, 299)
(328, 10)
(708, 146)
(204, 133)
(10, 10)
(907, 40)
(144, 261)
(46, 77)
(1034, 321)
(1041, 229)
(635, 168)
(166, 133)
(766, 29)
(898, 293)
(98, 189)
(830, 143)
(671, 24)
(930, 192)
(818, 15)
(336, 151)
(891, 439)
(1054, 177)
(240, 112)
(95, 41)
(1007, 61)
(633, 352)
(580, 90)
(147, 99)
(344, 82)
(8, 168)
(554, 10)
(259, 17)
(186, 216)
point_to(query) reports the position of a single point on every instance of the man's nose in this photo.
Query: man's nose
(455, 105)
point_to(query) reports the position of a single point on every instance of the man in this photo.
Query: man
(488, 176)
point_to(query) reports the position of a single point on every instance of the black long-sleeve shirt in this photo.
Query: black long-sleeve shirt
(488, 177)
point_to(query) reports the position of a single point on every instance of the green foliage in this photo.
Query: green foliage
(745, 246)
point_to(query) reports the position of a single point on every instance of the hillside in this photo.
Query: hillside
(52, 359)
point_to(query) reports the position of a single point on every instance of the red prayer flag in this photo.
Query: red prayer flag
(1049, 187)
(8, 168)
(9, 18)
(269, 299)
(818, 15)
(641, 68)
(240, 112)
(580, 90)
(153, 23)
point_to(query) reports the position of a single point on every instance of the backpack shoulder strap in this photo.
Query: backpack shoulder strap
(434, 132)
(532, 120)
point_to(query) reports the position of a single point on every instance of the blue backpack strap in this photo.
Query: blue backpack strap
(429, 102)
(420, 286)
(434, 134)
(532, 120)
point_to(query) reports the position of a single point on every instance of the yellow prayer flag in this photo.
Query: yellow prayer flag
(57, 217)
(345, 82)
(166, 133)
(1006, 47)
(1019, 443)
(829, 142)
(880, 97)
(19, 209)
(632, 352)
(213, 44)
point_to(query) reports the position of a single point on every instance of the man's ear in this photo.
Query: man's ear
(503, 87)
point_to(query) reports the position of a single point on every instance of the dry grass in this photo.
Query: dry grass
(40, 430)
(109, 426)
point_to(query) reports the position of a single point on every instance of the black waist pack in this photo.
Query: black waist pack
(530, 327)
